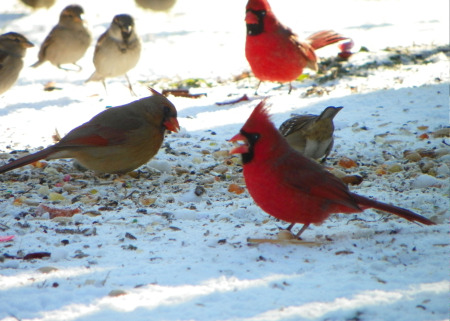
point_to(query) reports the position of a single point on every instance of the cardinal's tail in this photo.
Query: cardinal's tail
(365, 202)
(324, 38)
(27, 160)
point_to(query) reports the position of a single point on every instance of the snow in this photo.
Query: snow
(424, 181)
(171, 243)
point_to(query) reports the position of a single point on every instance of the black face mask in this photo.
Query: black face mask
(251, 139)
(256, 29)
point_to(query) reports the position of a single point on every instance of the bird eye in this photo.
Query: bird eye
(167, 111)
(253, 138)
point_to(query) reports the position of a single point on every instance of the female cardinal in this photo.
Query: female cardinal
(311, 135)
(117, 140)
(294, 188)
(273, 51)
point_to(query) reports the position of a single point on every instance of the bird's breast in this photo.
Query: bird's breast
(274, 57)
(316, 148)
(280, 199)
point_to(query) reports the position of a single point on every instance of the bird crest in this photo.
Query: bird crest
(259, 118)
(154, 92)
(258, 5)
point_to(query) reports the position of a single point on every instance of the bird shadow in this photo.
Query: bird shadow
(352, 104)
(6, 18)
(146, 37)
(369, 26)
(35, 105)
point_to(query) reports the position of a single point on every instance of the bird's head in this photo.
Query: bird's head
(259, 136)
(72, 13)
(256, 14)
(258, 5)
(329, 112)
(124, 24)
(14, 43)
(165, 111)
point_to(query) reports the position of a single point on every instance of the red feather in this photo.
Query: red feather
(93, 140)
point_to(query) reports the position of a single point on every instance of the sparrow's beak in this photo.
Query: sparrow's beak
(28, 44)
(172, 124)
(126, 29)
(78, 19)
(240, 149)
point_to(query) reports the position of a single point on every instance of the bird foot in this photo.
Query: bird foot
(78, 69)
(252, 241)
(284, 237)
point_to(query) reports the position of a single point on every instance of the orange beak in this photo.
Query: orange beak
(251, 18)
(241, 149)
(172, 124)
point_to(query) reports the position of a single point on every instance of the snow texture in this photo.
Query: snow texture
(170, 241)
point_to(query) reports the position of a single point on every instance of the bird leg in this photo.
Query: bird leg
(129, 86)
(79, 67)
(304, 227)
(286, 237)
(281, 85)
(257, 87)
(104, 86)
(68, 69)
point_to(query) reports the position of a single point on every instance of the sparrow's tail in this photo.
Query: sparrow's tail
(27, 159)
(37, 63)
(95, 77)
(365, 202)
(324, 38)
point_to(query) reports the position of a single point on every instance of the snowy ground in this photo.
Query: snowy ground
(147, 247)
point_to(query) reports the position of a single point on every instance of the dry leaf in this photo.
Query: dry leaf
(56, 212)
(347, 162)
(236, 189)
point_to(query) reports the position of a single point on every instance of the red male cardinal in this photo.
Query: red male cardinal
(292, 187)
(273, 51)
(117, 140)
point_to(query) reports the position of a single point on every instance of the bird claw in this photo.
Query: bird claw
(294, 241)
(284, 237)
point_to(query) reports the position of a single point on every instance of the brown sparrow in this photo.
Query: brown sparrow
(13, 47)
(37, 4)
(68, 40)
(117, 51)
(311, 135)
